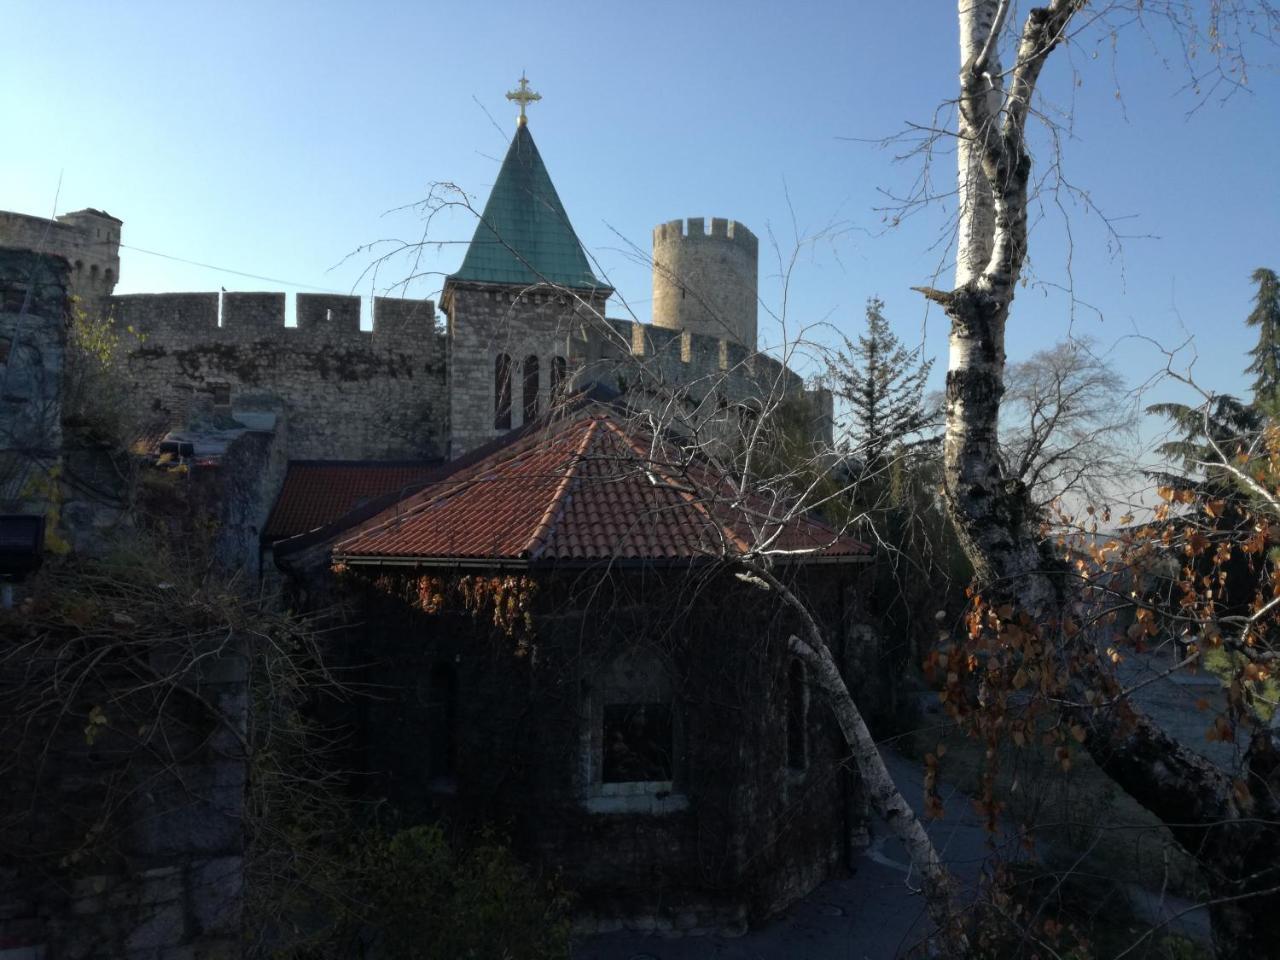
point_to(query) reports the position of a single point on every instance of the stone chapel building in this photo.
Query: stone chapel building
(640, 724)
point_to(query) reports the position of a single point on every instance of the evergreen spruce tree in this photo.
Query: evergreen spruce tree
(881, 382)
(1266, 355)
(1209, 433)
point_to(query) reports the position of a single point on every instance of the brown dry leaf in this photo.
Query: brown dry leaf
(1243, 796)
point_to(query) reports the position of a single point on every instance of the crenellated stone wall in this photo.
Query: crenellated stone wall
(347, 393)
(705, 280)
(89, 240)
(718, 380)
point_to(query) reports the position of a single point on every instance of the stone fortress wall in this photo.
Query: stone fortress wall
(89, 240)
(701, 345)
(346, 393)
(705, 281)
(406, 389)
(718, 379)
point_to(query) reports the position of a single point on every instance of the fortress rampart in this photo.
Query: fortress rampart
(88, 239)
(681, 359)
(346, 393)
(717, 376)
(705, 280)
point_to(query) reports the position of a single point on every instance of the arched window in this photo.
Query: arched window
(797, 717)
(442, 719)
(559, 369)
(530, 388)
(502, 392)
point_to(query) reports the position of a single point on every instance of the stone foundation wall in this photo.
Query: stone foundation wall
(120, 856)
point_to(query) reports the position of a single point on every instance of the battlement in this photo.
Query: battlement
(321, 318)
(88, 239)
(705, 281)
(696, 228)
(685, 357)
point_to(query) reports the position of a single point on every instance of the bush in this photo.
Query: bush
(427, 899)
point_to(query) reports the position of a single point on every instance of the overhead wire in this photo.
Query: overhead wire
(238, 273)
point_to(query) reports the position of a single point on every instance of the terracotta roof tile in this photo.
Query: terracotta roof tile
(585, 490)
(317, 492)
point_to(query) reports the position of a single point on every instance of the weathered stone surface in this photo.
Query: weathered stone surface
(216, 891)
(346, 393)
(704, 280)
(165, 927)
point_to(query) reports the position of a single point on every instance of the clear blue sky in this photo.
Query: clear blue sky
(272, 138)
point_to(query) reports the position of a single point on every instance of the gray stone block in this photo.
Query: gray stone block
(164, 926)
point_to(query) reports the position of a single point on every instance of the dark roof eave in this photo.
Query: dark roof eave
(523, 563)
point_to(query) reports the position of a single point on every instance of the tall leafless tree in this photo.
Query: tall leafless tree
(1068, 426)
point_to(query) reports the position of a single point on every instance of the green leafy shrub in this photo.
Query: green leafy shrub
(428, 899)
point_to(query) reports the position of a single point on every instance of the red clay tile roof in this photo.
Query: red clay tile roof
(582, 491)
(317, 492)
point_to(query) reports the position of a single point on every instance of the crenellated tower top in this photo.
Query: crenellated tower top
(705, 280)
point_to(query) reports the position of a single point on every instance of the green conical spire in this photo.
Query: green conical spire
(524, 236)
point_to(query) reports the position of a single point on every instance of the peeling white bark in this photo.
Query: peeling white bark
(973, 242)
(887, 801)
(1237, 852)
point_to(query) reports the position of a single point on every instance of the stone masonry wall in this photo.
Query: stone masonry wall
(89, 240)
(488, 320)
(741, 834)
(346, 393)
(32, 353)
(705, 280)
(718, 379)
(117, 851)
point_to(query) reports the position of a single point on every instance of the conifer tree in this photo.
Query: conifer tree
(882, 383)
(1266, 355)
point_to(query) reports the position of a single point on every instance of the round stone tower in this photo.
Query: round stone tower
(705, 281)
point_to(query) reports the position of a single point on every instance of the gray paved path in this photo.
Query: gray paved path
(870, 915)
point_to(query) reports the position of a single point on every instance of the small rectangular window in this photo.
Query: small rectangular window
(637, 742)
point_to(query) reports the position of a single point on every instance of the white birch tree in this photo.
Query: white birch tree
(1024, 622)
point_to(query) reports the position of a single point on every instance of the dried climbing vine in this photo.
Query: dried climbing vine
(506, 601)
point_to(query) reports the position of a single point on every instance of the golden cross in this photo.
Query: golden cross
(524, 96)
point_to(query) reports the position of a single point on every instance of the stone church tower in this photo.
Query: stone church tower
(526, 322)
(512, 307)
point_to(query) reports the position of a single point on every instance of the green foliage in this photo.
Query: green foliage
(1266, 355)
(1221, 428)
(97, 404)
(428, 899)
(881, 383)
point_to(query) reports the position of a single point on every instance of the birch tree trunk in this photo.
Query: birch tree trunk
(886, 799)
(1235, 843)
